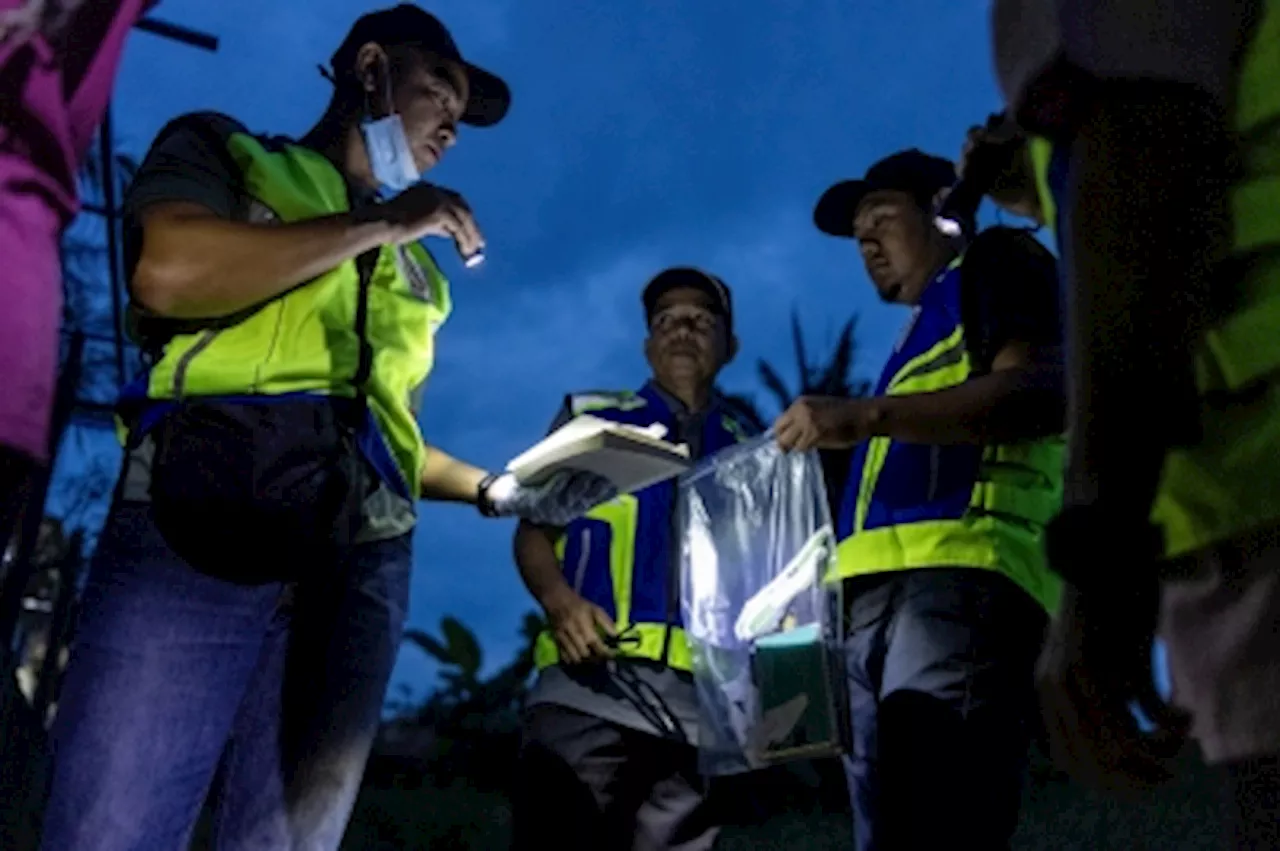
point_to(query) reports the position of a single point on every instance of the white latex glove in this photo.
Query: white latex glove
(558, 501)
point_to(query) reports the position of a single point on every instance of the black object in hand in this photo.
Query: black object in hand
(958, 213)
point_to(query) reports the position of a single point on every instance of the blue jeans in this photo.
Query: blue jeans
(941, 666)
(181, 686)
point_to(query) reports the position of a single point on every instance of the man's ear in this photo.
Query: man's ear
(731, 349)
(371, 66)
(373, 70)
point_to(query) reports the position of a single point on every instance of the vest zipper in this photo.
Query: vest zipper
(674, 549)
(180, 371)
(935, 461)
(580, 573)
(674, 552)
(673, 576)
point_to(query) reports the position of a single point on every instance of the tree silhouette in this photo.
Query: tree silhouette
(459, 655)
(832, 377)
(470, 726)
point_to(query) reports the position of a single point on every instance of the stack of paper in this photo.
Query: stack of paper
(631, 457)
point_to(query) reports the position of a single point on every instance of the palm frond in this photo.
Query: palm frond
(773, 382)
(802, 358)
(463, 645)
(835, 378)
(429, 645)
(746, 408)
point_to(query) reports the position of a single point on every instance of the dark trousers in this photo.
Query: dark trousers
(1253, 804)
(181, 686)
(586, 784)
(941, 677)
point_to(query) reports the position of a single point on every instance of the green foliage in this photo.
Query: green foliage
(473, 721)
(1056, 816)
(833, 377)
(459, 655)
(454, 816)
(461, 658)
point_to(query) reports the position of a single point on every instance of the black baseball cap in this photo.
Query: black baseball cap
(687, 276)
(914, 172)
(414, 26)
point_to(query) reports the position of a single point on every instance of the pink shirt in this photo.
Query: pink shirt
(51, 101)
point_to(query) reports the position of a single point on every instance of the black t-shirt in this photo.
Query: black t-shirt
(1009, 293)
(188, 162)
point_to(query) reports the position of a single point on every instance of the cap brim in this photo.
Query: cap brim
(683, 276)
(490, 97)
(834, 213)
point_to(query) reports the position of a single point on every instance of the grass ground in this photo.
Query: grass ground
(1056, 817)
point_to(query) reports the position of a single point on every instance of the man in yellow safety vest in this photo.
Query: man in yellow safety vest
(249, 590)
(956, 468)
(1164, 179)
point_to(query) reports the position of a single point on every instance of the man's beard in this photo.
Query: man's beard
(889, 294)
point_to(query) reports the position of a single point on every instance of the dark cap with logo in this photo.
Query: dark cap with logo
(914, 172)
(687, 276)
(414, 26)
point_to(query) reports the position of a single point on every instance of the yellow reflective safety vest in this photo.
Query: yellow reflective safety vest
(1041, 151)
(305, 341)
(623, 556)
(1229, 484)
(910, 506)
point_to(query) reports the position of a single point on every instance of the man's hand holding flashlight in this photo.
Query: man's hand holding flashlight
(427, 210)
(1001, 148)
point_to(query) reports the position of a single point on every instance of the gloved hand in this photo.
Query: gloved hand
(559, 500)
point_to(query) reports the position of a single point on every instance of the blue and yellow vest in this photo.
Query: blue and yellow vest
(909, 505)
(1229, 484)
(622, 556)
(305, 341)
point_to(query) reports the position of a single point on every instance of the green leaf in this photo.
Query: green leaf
(802, 359)
(463, 646)
(830, 377)
(835, 376)
(429, 645)
(774, 384)
(532, 626)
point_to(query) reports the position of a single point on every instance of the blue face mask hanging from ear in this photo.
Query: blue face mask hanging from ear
(390, 156)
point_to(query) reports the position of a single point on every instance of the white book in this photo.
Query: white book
(631, 457)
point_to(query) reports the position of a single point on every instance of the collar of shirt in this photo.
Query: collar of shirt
(688, 424)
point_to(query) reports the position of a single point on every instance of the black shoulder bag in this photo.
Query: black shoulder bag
(269, 490)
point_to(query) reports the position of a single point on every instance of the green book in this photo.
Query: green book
(800, 688)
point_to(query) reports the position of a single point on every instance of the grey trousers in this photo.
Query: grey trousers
(586, 784)
(942, 699)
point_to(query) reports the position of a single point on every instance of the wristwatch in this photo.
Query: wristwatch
(1097, 548)
(483, 504)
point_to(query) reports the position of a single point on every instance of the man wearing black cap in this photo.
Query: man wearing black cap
(957, 466)
(609, 758)
(248, 593)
